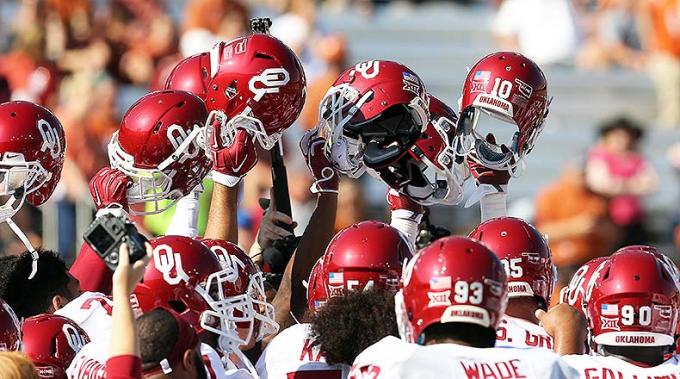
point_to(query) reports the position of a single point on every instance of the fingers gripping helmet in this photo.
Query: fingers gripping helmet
(364, 255)
(633, 302)
(186, 276)
(243, 286)
(156, 147)
(373, 113)
(512, 89)
(256, 83)
(455, 279)
(10, 331)
(428, 173)
(191, 74)
(51, 342)
(524, 253)
(32, 151)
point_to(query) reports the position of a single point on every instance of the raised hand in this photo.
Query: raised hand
(109, 187)
(325, 176)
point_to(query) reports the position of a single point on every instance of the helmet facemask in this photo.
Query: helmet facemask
(18, 178)
(244, 120)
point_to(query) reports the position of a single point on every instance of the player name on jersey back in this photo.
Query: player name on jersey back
(515, 332)
(599, 367)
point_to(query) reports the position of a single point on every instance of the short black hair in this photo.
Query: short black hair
(158, 332)
(30, 297)
(346, 326)
(473, 335)
(622, 123)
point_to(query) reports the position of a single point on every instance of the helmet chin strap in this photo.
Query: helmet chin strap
(34, 254)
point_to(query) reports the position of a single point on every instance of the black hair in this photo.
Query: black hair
(624, 123)
(470, 334)
(158, 332)
(29, 297)
(346, 326)
(648, 355)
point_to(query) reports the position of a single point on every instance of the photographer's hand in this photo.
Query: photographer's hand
(127, 275)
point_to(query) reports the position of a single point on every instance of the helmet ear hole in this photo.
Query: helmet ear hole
(177, 306)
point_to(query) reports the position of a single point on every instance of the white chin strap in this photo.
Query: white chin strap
(34, 254)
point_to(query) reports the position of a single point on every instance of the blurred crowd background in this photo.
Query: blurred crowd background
(603, 173)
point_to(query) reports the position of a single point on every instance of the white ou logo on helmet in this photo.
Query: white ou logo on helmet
(75, 340)
(165, 261)
(177, 135)
(227, 261)
(368, 69)
(50, 137)
(272, 79)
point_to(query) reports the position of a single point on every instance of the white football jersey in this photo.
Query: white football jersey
(92, 312)
(515, 332)
(599, 367)
(394, 358)
(293, 351)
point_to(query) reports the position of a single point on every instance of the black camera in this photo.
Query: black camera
(107, 232)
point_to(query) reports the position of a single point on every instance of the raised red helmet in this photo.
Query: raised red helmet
(156, 147)
(455, 279)
(428, 174)
(243, 284)
(512, 89)
(316, 290)
(372, 115)
(364, 255)
(665, 259)
(51, 342)
(185, 275)
(191, 74)
(258, 84)
(10, 330)
(32, 151)
(633, 301)
(524, 253)
(577, 292)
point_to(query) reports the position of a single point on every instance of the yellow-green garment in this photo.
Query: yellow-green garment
(158, 223)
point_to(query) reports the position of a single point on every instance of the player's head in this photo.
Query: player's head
(633, 306)
(184, 275)
(362, 256)
(503, 106)
(50, 289)
(15, 365)
(191, 74)
(427, 173)
(51, 342)
(169, 346)
(156, 147)
(335, 325)
(575, 292)
(453, 290)
(243, 286)
(10, 330)
(256, 83)
(525, 255)
(372, 115)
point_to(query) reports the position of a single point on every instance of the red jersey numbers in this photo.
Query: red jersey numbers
(365, 372)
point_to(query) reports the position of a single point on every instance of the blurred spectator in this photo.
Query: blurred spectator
(543, 30)
(209, 21)
(575, 220)
(661, 36)
(15, 365)
(351, 207)
(673, 156)
(617, 170)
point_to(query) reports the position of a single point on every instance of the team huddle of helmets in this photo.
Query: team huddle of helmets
(362, 303)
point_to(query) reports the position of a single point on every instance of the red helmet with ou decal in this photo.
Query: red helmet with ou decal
(455, 279)
(634, 301)
(364, 255)
(316, 290)
(372, 115)
(258, 84)
(512, 89)
(186, 276)
(428, 173)
(191, 74)
(51, 342)
(243, 284)
(156, 147)
(10, 330)
(575, 292)
(32, 151)
(524, 253)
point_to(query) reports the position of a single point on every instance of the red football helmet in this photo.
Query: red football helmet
(32, 150)
(524, 253)
(185, 275)
(51, 342)
(455, 279)
(191, 74)
(156, 147)
(372, 115)
(10, 330)
(428, 173)
(633, 302)
(577, 292)
(243, 284)
(258, 84)
(316, 290)
(364, 255)
(665, 259)
(509, 88)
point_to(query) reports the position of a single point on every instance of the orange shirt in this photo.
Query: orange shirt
(664, 16)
